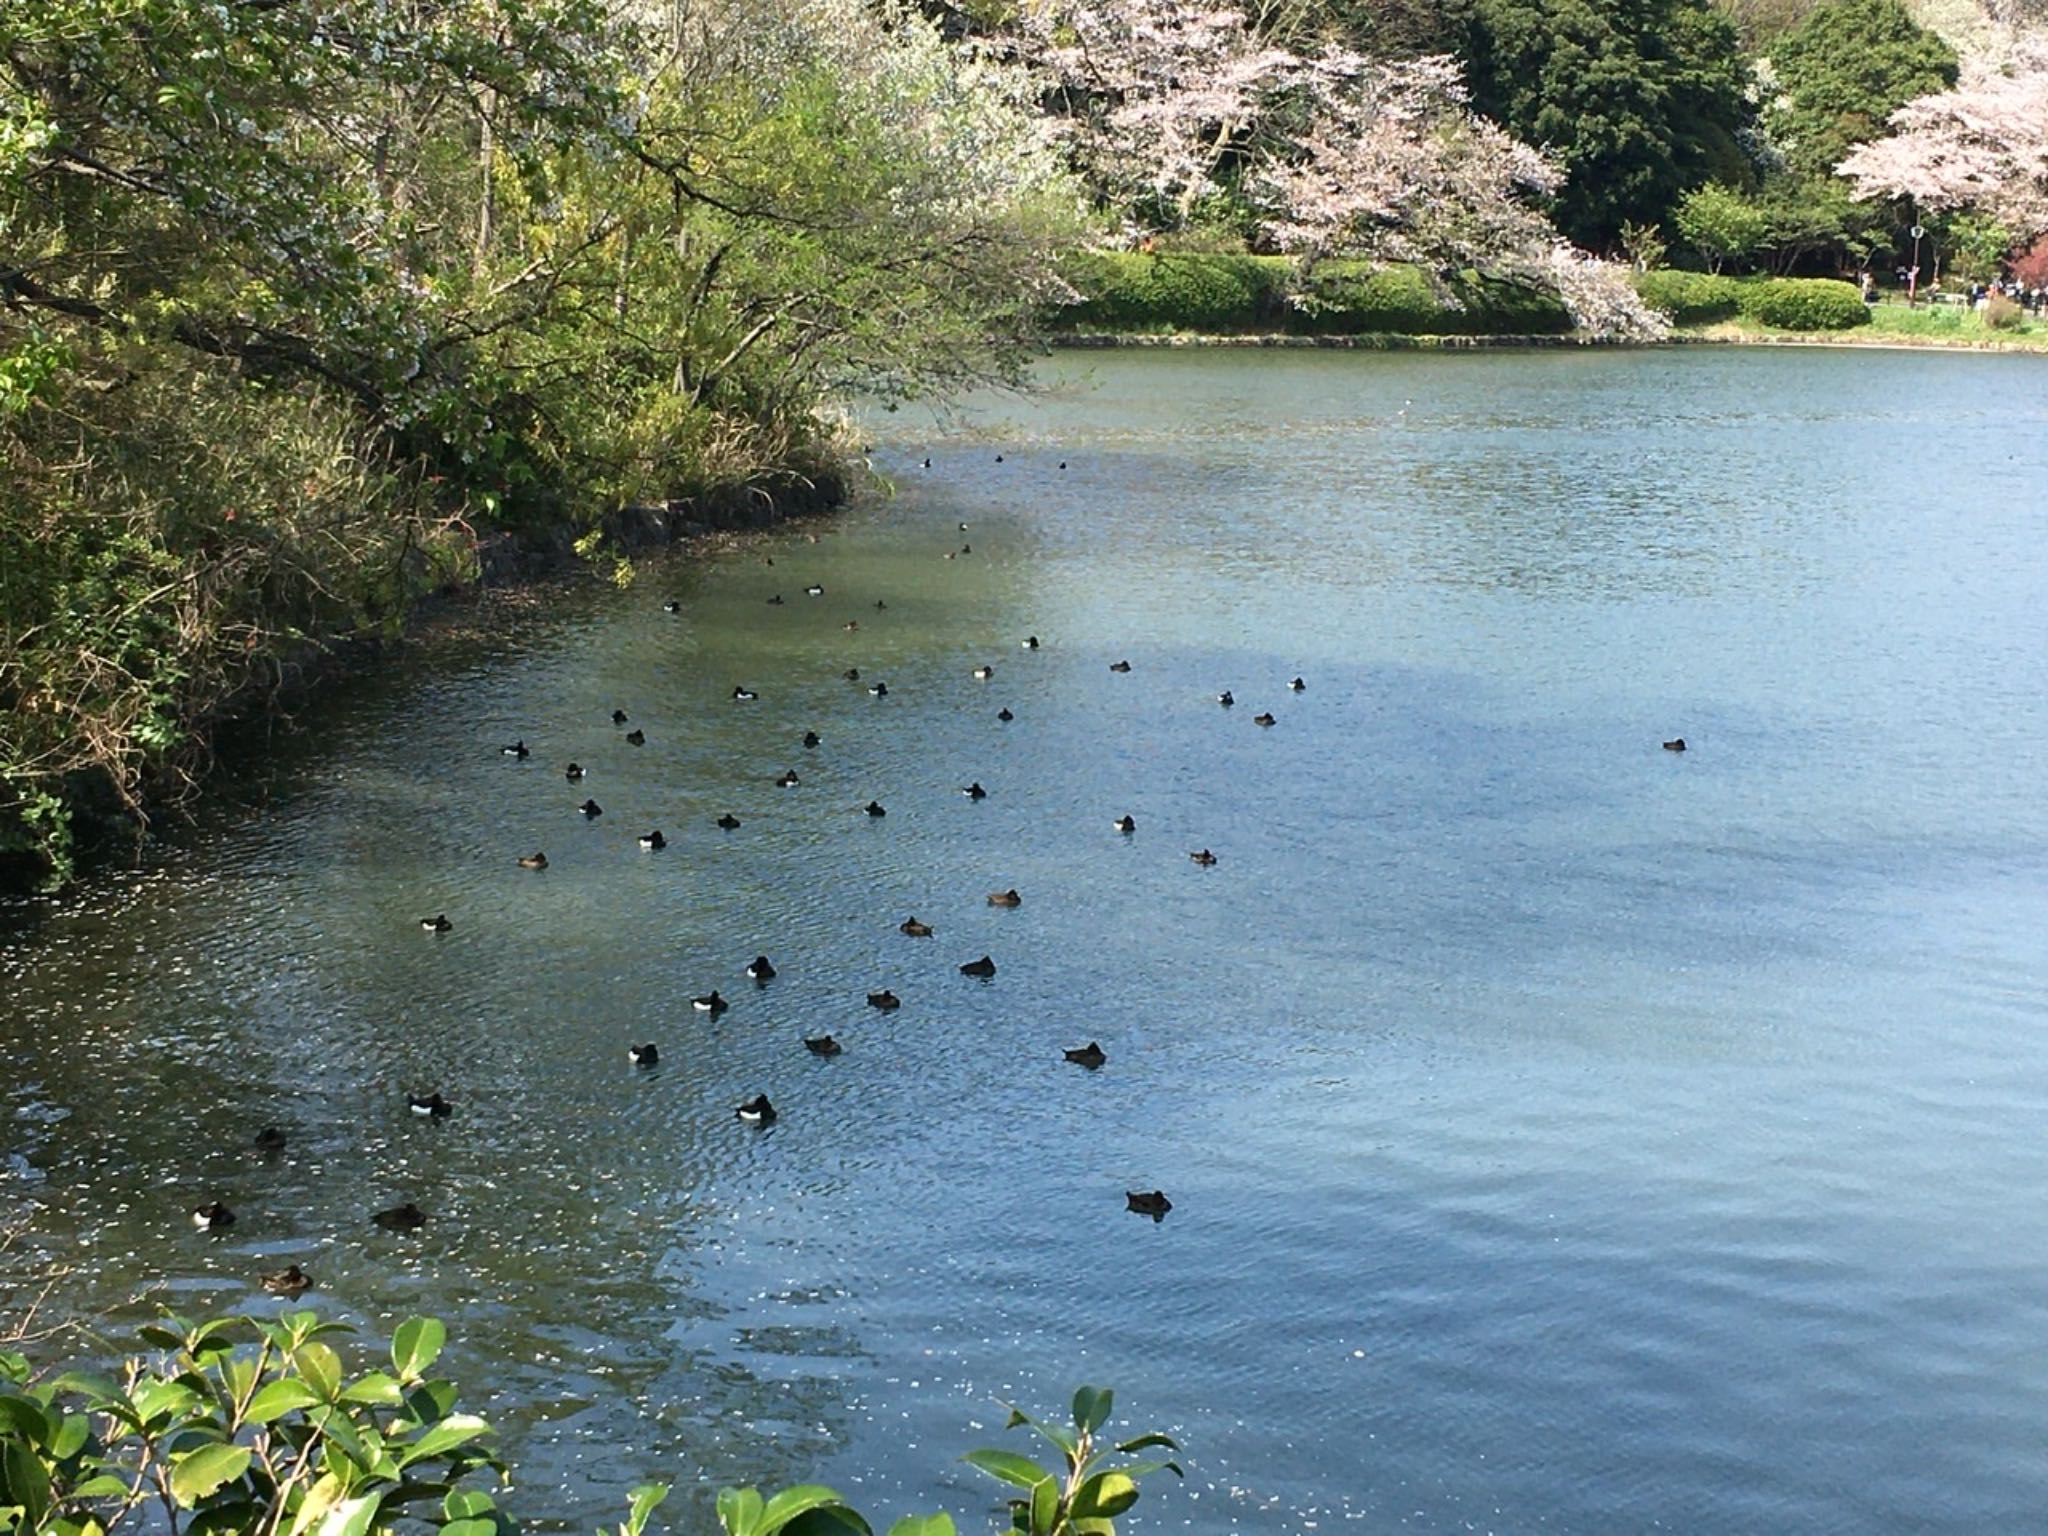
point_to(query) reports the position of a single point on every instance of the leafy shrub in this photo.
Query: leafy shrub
(1135, 291)
(242, 1425)
(1355, 298)
(1805, 304)
(2002, 313)
(1690, 298)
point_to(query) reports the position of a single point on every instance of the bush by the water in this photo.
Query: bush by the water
(1133, 291)
(1690, 298)
(240, 1425)
(1805, 304)
(1235, 294)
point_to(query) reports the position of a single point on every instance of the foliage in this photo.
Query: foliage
(1220, 294)
(1690, 298)
(1814, 220)
(1982, 146)
(239, 1425)
(1636, 100)
(1843, 71)
(296, 300)
(1805, 304)
(1721, 224)
(1643, 245)
(1083, 1492)
(1977, 245)
(2031, 265)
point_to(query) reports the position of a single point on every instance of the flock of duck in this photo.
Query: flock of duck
(757, 1110)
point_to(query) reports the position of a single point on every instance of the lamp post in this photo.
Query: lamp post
(1913, 273)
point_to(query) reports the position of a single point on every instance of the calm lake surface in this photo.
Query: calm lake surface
(1563, 1134)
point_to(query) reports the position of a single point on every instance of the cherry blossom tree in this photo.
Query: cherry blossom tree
(1983, 145)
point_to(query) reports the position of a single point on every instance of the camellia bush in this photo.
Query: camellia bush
(241, 1425)
(1690, 298)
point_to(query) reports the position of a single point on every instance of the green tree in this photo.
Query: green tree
(1638, 99)
(1842, 72)
(1721, 224)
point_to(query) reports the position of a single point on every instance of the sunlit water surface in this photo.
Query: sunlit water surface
(1562, 1133)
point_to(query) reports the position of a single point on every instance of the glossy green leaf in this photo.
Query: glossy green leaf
(21, 1417)
(427, 1402)
(468, 1504)
(791, 1502)
(377, 1389)
(73, 1430)
(455, 1430)
(1091, 1408)
(1141, 1441)
(320, 1368)
(1045, 1508)
(1146, 1468)
(646, 1499)
(314, 1506)
(1105, 1495)
(278, 1398)
(940, 1524)
(23, 1482)
(157, 1401)
(739, 1510)
(104, 1486)
(827, 1520)
(1021, 1471)
(87, 1384)
(482, 1525)
(351, 1517)
(417, 1345)
(205, 1470)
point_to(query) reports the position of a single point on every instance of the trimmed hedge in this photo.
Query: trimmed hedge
(1130, 291)
(1805, 304)
(1223, 294)
(1689, 298)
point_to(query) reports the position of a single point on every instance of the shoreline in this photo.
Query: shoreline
(1080, 341)
(107, 831)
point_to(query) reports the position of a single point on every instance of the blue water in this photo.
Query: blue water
(1563, 1133)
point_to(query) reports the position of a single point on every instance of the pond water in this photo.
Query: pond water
(1562, 1133)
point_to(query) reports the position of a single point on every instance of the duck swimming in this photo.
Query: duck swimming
(814, 590)
(1296, 686)
(618, 717)
(653, 841)
(432, 1107)
(270, 1139)
(573, 773)
(758, 969)
(984, 673)
(647, 1055)
(757, 1110)
(974, 791)
(1119, 666)
(787, 779)
(879, 690)
(1151, 1203)
(1089, 1056)
(728, 821)
(1008, 898)
(1264, 720)
(636, 737)
(884, 1000)
(1031, 642)
(213, 1217)
(1225, 699)
(534, 861)
(671, 606)
(821, 1045)
(851, 674)
(744, 695)
(850, 625)
(517, 749)
(810, 738)
(1125, 824)
(436, 924)
(775, 601)
(287, 1282)
(1676, 744)
(710, 1003)
(401, 1218)
(1004, 715)
(1204, 858)
(874, 808)
(914, 928)
(984, 967)
(591, 810)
